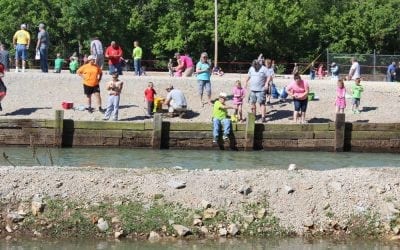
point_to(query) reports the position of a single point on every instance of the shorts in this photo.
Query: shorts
(204, 84)
(355, 101)
(257, 97)
(300, 105)
(21, 52)
(88, 90)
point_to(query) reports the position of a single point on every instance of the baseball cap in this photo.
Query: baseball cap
(23, 26)
(223, 95)
(91, 57)
(170, 86)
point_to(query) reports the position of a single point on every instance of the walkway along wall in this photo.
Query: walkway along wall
(158, 134)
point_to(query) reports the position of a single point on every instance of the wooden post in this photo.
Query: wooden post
(157, 131)
(58, 128)
(250, 128)
(340, 123)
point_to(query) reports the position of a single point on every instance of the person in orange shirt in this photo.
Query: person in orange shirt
(91, 75)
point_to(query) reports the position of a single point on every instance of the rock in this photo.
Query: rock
(380, 190)
(59, 184)
(233, 229)
(336, 185)
(210, 213)
(177, 168)
(102, 225)
(205, 204)
(37, 234)
(197, 222)
(261, 213)
(308, 222)
(308, 187)
(249, 218)
(181, 230)
(118, 234)
(154, 236)
(289, 189)
(222, 232)
(392, 208)
(396, 230)
(37, 205)
(115, 220)
(396, 237)
(197, 216)
(204, 230)
(327, 205)
(171, 222)
(292, 167)
(176, 184)
(9, 237)
(8, 229)
(14, 217)
(245, 190)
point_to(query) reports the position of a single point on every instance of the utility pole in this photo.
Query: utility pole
(215, 33)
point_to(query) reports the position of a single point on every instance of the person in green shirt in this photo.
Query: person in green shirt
(58, 63)
(73, 65)
(220, 117)
(137, 58)
(356, 90)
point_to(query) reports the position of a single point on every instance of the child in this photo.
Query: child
(238, 96)
(58, 63)
(73, 65)
(3, 89)
(149, 94)
(356, 90)
(178, 70)
(114, 88)
(340, 97)
(170, 67)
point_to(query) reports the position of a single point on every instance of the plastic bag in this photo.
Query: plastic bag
(37, 56)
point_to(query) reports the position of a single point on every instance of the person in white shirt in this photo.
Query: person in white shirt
(354, 72)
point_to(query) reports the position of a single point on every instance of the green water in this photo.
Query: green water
(231, 244)
(193, 159)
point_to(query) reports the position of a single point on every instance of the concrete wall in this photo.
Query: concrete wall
(159, 134)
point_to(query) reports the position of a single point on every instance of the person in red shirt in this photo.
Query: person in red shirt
(3, 89)
(114, 55)
(149, 94)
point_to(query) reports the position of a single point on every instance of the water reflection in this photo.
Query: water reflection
(194, 159)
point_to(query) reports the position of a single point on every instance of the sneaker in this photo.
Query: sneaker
(225, 137)
(16, 70)
(90, 110)
(263, 119)
(23, 70)
(358, 111)
(102, 110)
(106, 119)
(214, 140)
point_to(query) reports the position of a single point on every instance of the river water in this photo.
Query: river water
(231, 244)
(192, 159)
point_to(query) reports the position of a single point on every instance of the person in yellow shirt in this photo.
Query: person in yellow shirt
(21, 41)
(91, 75)
(137, 58)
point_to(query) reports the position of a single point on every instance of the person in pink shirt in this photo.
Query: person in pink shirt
(185, 65)
(114, 55)
(299, 90)
(340, 97)
(238, 96)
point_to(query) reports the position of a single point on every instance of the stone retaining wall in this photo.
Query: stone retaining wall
(159, 134)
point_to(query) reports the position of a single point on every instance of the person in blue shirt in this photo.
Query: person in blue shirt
(391, 72)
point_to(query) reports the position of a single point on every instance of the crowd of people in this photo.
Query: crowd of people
(258, 86)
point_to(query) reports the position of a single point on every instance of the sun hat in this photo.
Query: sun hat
(91, 57)
(223, 95)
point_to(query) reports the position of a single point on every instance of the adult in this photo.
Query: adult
(114, 55)
(259, 80)
(137, 58)
(42, 46)
(312, 71)
(3, 88)
(299, 90)
(91, 74)
(21, 41)
(220, 118)
(203, 71)
(185, 64)
(354, 71)
(391, 72)
(335, 71)
(175, 101)
(96, 49)
(5, 57)
(295, 69)
(397, 78)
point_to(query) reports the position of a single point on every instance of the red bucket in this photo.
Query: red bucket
(67, 105)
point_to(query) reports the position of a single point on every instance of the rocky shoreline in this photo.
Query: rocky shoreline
(154, 204)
